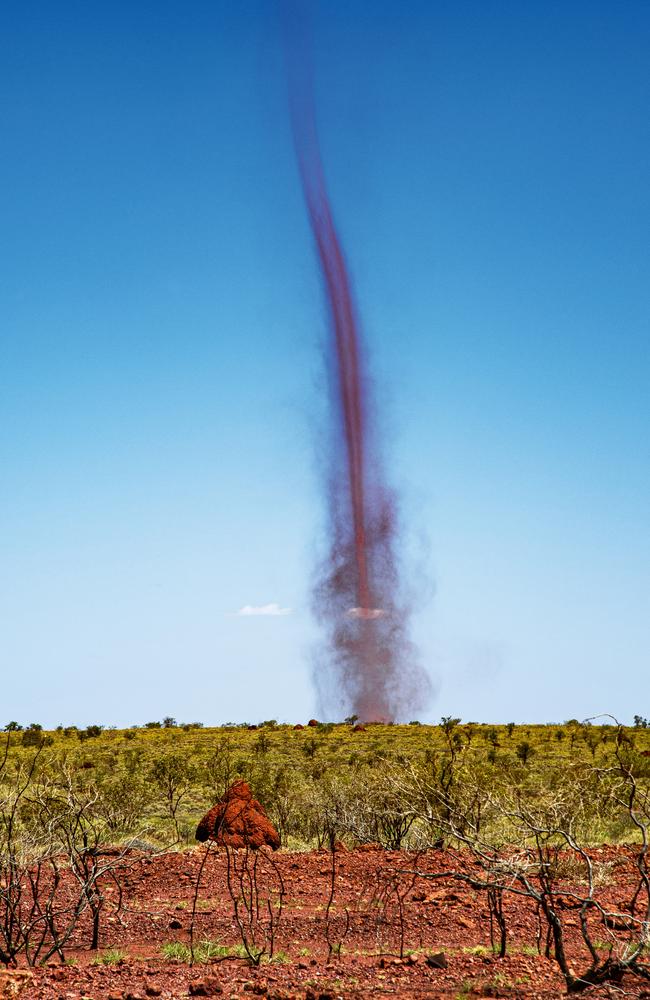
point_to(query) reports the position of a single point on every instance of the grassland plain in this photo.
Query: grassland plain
(381, 783)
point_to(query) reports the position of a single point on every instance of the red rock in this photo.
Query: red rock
(313, 722)
(359, 728)
(238, 820)
(567, 903)
(299, 726)
(208, 987)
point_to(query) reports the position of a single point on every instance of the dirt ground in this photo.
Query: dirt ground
(350, 949)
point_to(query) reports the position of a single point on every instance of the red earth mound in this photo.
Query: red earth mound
(238, 820)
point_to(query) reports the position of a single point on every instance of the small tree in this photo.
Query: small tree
(524, 751)
(90, 732)
(256, 890)
(69, 810)
(448, 724)
(173, 776)
(33, 736)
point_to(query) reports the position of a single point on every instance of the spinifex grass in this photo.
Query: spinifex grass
(204, 951)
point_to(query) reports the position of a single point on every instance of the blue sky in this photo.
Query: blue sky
(160, 370)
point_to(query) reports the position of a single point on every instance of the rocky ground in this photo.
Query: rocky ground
(351, 948)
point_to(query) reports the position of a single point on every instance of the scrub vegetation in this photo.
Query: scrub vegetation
(385, 784)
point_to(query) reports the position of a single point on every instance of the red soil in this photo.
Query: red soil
(438, 916)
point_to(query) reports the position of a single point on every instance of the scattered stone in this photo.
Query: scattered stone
(208, 987)
(442, 896)
(567, 903)
(620, 924)
(13, 983)
(238, 820)
(437, 960)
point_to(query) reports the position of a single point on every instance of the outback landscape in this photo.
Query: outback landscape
(455, 860)
(324, 390)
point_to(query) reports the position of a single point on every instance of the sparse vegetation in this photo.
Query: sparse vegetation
(322, 781)
(205, 951)
(113, 956)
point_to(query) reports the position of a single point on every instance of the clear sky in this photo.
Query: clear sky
(160, 374)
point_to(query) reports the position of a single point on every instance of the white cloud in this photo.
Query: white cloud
(262, 609)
